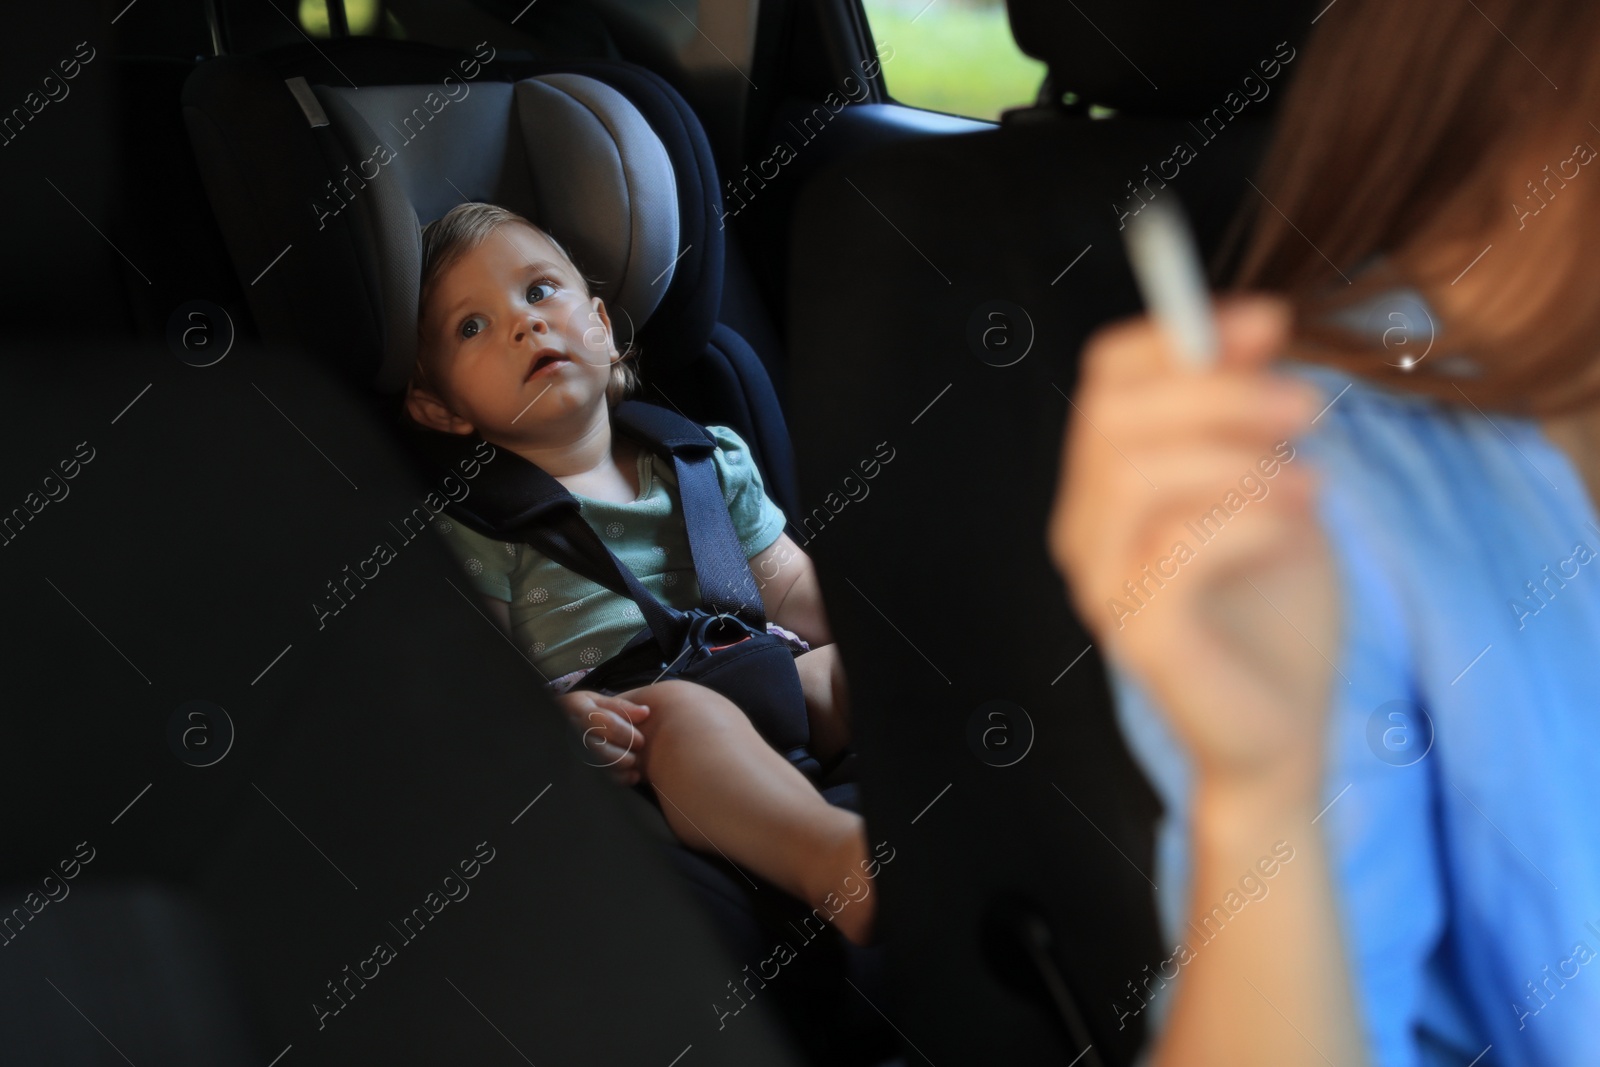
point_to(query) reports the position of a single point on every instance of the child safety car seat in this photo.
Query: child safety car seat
(329, 160)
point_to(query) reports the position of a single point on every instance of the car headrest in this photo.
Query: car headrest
(1157, 57)
(567, 151)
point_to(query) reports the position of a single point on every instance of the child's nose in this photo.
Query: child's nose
(526, 324)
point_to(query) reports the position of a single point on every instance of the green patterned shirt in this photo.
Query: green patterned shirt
(565, 622)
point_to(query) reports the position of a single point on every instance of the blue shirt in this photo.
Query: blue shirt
(1463, 746)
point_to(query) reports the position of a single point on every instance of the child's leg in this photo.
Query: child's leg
(724, 789)
(827, 700)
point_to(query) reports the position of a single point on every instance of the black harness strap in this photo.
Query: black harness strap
(514, 500)
(720, 566)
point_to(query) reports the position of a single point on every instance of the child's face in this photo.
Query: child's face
(512, 340)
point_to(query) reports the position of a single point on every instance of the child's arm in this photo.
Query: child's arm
(791, 596)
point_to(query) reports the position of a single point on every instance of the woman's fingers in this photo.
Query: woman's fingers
(1251, 330)
(1210, 497)
(1202, 475)
(1225, 405)
(1172, 556)
(1128, 505)
(1146, 434)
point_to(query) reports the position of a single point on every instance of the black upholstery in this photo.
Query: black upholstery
(1000, 253)
(139, 960)
(60, 177)
(381, 746)
(211, 507)
(1154, 57)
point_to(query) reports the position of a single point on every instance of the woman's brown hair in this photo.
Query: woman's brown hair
(1404, 136)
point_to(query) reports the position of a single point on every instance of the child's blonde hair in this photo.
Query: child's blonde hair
(466, 226)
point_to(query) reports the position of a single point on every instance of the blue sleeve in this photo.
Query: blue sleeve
(1378, 822)
(756, 519)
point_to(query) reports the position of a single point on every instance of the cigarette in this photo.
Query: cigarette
(1166, 264)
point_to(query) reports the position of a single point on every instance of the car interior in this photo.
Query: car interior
(214, 235)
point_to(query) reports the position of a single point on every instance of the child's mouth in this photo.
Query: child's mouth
(547, 361)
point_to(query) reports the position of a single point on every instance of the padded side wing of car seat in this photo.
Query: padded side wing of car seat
(603, 177)
(384, 209)
(736, 381)
(686, 348)
(688, 310)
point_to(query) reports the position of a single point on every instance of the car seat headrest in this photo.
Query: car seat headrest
(565, 150)
(1157, 57)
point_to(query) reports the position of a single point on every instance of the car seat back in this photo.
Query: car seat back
(1000, 254)
(61, 178)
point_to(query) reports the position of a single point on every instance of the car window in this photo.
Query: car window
(362, 16)
(955, 56)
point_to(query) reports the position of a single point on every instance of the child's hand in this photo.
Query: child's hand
(610, 734)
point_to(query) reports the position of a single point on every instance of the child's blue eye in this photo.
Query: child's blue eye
(537, 292)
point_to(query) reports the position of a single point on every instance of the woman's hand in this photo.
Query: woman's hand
(609, 725)
(1229, 633)
(1230, 639)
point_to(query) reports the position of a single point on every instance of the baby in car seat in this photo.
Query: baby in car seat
(514, 349)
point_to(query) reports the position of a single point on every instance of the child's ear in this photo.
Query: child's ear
(428, 410)
(597, 337)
